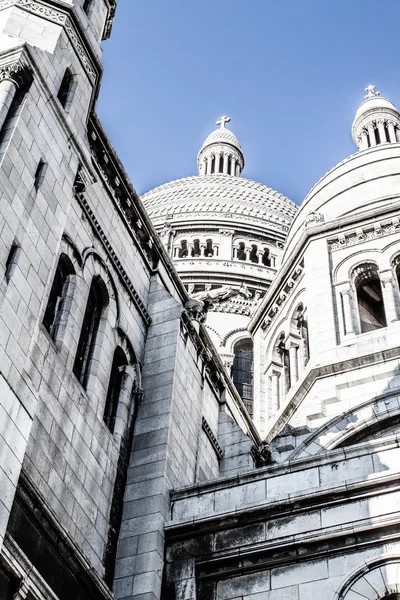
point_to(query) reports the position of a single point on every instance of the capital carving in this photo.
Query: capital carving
(14, 72)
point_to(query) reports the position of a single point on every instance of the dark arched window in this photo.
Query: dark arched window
(114, 387)
(254, 254)
(242, 372)
(183, 250)
(97, 300)
(196, 248)
(58, 292)
(241, 253)
(371, 308)
(266, 259)
(209, 248)
(66, 89)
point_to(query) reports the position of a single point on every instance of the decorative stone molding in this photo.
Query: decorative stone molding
(313, 219)
(110, 20)
(281, 297)
(365, 233)
(212, 438)
(121, 192)
(80, 186)
(60, 18)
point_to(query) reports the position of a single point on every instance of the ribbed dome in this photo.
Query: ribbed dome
(374, 103)
(218, 193)
(222, 136)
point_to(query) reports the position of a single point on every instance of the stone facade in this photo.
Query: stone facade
(130, 467)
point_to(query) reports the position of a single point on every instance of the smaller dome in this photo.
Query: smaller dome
(374, 103)
(222, 136)
(221, 152)
(377, 121)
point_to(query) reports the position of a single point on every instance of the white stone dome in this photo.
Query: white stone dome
(222, 136)
(372, 104)
(234, 198)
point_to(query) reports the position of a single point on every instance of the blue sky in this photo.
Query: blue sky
(289, 73)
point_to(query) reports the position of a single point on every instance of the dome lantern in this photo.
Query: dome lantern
(377, 121)
(221, 152)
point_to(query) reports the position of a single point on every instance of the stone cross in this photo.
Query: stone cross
(222, 121)
(371, 93)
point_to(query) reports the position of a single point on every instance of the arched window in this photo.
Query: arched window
(371, 308)
(114, 387)
(97, 301)
(66, 89)
(183, 250)
(254, 254)
(241, 253)
(266, 259)
(209, 248)
(58, 293)
(196, 248)
(242, 372)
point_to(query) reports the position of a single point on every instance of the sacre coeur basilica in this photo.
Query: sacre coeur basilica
(199, 388)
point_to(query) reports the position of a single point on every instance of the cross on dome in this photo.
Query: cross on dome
(222, 122)
(371, 93)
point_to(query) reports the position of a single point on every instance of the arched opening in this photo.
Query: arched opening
(371, 308)
(66, 89)
(209, 248)
(254, 254)
(183, 250)
(242, 372)
(266, 259)
(196, 248)
(97, 301)
(58, 293)
(212, 164)
(241, 253)
(114, 387)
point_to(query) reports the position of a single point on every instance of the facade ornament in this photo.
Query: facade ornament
(16, 73)
(262, 455)
(314, 218)
(196, 310)
(371, 92)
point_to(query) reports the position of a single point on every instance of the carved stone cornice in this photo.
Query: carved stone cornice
(63, 19)
(282, 295)
(212, 438)
(110, 20)
(124, 196)
(364, 233)
(80, 187)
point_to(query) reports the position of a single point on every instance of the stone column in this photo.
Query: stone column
(389, 296)
(248, 250)
(237, 170)
(293, 365)
(275, 396)
(233, 162)
(203, 165)
(364, 140)
(226, 164)
(397, 132)
(209, 161)
(392, 133)
(217, 162)
(203, 249)
(8, 89)
(347, 312)
(382, 132)
(190, 248)
(371, 133)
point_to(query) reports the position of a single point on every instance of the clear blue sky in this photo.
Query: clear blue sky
(290, 74)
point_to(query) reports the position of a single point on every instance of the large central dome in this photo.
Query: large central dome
(223, 196)
(225, 235)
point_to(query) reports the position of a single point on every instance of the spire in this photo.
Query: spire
(377, 121)
(221, 152)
